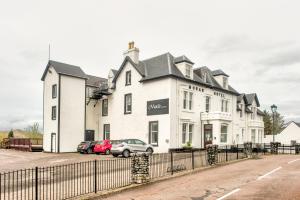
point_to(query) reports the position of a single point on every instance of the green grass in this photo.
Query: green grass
(20, 134)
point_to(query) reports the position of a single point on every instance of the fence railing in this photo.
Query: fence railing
(76, 179)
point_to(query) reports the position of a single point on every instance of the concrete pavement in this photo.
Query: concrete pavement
(273, 177)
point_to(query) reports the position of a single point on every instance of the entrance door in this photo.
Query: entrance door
(106, 132)
(208, 134)
(53, 142)
(89, 135)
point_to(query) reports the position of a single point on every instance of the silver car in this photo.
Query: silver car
(127, 146)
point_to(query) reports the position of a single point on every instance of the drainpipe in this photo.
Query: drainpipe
(201, 130)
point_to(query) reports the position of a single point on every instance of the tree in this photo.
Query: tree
(10, 134)
(34, 129)
(267, 118)
(268, 122)
(278, 123)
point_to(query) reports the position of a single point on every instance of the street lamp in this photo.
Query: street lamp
(273, 108)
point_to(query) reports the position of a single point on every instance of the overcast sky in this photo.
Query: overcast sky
(256, 42)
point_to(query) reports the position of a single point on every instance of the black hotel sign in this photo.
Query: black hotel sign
(158, 107)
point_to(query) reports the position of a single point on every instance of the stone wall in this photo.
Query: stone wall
(140, 168)
(212, 154)
(274, 147)
(248, 149)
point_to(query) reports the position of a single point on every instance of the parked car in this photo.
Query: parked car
(127, 146)
(86, 147)
(103, 146)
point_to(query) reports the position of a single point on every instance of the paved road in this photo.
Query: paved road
(273, 177)
(13, 160)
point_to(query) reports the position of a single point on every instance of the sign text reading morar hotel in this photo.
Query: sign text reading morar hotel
(158, 107)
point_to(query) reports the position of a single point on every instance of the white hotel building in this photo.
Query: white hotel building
(163, 100)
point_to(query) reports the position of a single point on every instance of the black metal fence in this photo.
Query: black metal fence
(65, 181)
(73, 180)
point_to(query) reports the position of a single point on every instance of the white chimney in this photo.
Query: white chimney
(132, 52)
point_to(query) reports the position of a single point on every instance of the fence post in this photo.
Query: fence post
(36, 183)
(95, 174)
(171, 163)
(193, 161)
(226, 153)
(237, 151)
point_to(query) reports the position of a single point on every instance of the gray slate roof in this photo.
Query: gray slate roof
(251, 97)
(182, 58)
(219, 72)
(164, 65)
(65, 69)
(95, 81)
(75, 71)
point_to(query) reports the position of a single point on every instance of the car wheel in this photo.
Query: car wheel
(89, 151)
(115, 155)
(149, 150)
(98, 153)
(126, 153)
(107, 152)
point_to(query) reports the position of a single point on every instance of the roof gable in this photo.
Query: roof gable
(219, 72)
(250, 98)
(65, 69)
(138, 67)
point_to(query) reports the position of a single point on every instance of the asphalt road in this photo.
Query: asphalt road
(272, 177)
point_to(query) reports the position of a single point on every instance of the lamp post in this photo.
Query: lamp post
(273, 108)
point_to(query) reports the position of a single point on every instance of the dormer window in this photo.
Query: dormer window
(204, 77)
(188, 71)
(225, 80)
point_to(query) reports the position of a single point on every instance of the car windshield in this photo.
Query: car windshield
(100, 142)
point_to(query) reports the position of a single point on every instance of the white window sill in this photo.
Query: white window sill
(188, 111)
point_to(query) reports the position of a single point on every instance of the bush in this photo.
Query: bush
(10, 134)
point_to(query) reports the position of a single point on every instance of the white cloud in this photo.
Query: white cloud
(241, 37)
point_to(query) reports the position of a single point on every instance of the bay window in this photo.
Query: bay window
(224, 130)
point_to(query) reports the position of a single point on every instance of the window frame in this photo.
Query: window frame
(104, 135)
(54, 91)
(151, 132)
(53, 112)
(253, 135)
(190, 100)
(103, 113)
(225, 80)
(242, 109)
(191, 127)
(223, 133)
(185, 99)
(125, 103)
(207, 104)
(184, 132)
(188, 71)
(128, 78)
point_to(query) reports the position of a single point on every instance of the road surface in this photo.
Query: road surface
(273, 177)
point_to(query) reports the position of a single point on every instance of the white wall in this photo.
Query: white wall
(93, 112)
(50, 126)
(135, 125)
(72, 113)
(291, 132)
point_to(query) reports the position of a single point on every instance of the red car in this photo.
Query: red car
(103, 147)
